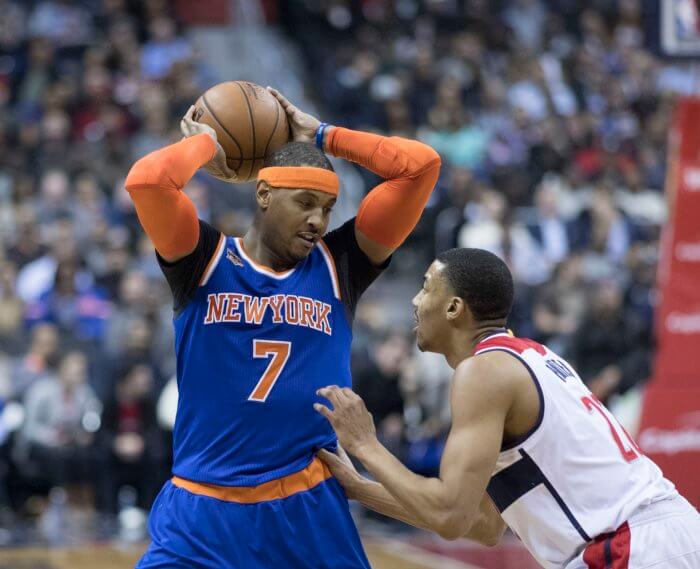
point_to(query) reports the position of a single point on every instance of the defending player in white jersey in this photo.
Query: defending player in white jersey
(530, 446)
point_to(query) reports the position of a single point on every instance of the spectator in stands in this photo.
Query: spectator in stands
(377, 382)
(163, 50)
(39, 362)
(11, 306)
(64, 23)
(80, 309)
(62, 414)
(131, 446)
(560, 304)
(54, 203)
(611, 347)
(425, 385)
(27, 246)
(602, 230)
(550, 229)
(461, 190)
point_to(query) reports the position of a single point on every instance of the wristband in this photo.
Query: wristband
(319, 134)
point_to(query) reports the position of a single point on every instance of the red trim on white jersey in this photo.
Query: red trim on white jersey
(509, 342)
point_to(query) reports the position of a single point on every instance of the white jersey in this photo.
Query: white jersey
(577, 474)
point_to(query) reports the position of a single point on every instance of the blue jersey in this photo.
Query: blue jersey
(252, 347)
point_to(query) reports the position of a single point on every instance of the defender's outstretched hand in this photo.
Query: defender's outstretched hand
(217, 166)
(304, 126)
(352, 422)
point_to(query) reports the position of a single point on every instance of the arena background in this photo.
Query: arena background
(553, 119)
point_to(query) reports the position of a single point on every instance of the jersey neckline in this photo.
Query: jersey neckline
(258, 268)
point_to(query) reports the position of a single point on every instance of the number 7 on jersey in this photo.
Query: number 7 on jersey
(279, 350)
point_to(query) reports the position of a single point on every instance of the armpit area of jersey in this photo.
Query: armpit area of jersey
(183, 276)
(355, 270)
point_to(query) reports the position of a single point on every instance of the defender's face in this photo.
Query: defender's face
(296, 220)
(430, 309)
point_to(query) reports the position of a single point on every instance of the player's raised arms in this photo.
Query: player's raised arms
(155, 184)
(392, 209)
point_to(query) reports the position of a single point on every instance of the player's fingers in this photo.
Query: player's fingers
(349, 393)
(186, 127)
(279, 96)
(288, 107)
(338, 468)
(344, 457)
(325, 411)
(187, 117)
(330, 392)
(341, 398)
(330, 458)
(342, 454)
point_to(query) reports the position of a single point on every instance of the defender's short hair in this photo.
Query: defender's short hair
(299, 154)
(482, 280)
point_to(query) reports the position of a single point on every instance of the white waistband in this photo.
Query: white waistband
(672, 506)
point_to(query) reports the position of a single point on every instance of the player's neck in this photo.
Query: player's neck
(257, 250)
(462, 343)
(483, 332)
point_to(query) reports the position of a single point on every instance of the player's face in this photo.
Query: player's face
(430, 306)
(298, 219)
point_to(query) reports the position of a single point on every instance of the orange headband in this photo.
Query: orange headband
(301, 178)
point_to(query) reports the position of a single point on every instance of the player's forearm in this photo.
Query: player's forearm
(374, 496)
(392, 209)
(171, 167)
(425, 499)
(167, 215)
(488, 525)
(389, 157)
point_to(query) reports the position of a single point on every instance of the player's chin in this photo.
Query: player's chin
(420, 341)
(300, 249)
(299, 252)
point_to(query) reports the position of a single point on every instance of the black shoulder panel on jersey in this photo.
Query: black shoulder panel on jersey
(184, 275)
(355, 271)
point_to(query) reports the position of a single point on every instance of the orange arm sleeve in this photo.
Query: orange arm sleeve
(154, 183)
(392, 209)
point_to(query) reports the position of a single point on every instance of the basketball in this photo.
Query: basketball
(249, 124)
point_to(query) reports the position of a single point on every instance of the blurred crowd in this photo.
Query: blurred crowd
(86, 87)
(551, 118)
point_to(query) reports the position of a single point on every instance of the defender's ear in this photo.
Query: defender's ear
(455, 308)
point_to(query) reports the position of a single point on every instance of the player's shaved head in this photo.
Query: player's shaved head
(482, 279)
(299, 154)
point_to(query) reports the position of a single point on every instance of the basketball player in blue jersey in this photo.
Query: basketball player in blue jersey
(261, 323)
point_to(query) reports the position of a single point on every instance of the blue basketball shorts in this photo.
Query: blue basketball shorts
(309, 529)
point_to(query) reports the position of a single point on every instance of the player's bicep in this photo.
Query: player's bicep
(471, 450)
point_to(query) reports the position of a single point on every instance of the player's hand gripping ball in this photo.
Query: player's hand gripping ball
(303, 125)
(217, 166)
(249, 121)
